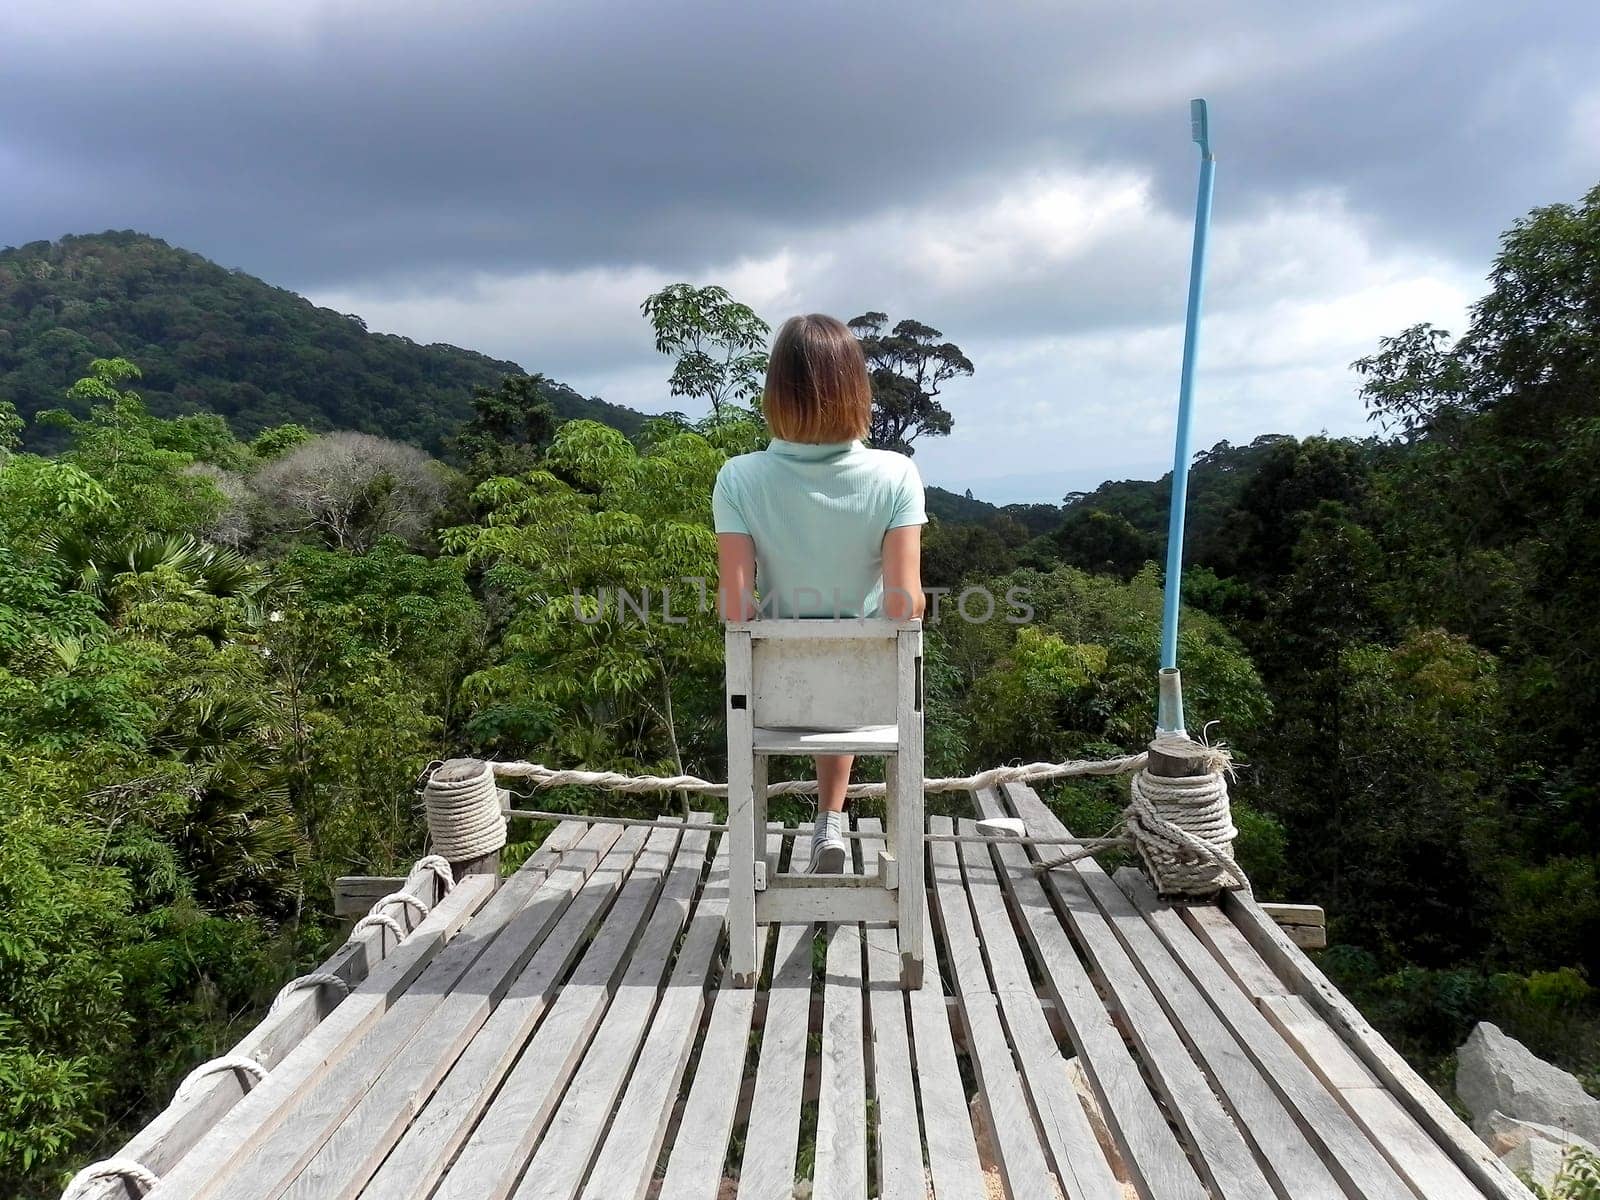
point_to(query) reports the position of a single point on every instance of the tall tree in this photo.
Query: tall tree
(720, 344)
(511, 425)
(909, 367)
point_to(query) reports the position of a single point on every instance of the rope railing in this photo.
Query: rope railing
(1179, 826)
(134, 1174)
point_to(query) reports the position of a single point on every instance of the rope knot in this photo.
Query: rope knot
(1182, 826)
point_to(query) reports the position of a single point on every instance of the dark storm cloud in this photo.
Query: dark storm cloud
(366, 142)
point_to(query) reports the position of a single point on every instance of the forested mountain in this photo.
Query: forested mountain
(213, 340)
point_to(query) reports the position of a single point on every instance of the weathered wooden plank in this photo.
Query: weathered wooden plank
(354, 895)
(901, 1175)
(1238, 957)
(841, 1162)
(773, 1135)
(953, 1165)
(1079, 1162)
(419, 1056)
(178, 1127)
(430, 1143)
(1323, 1050)
(695, 1166)
(628, 1156)
(824, 903)
(498, 1148)
(1295, 914)
(1421, 1101)
(561, 1162)
(1148, 1146)
(273, 1166)
(1356, 1162)
(1226, 1157)
(215, 1161)
(1011, 1122)
(1307, 937)
(1405, 1143)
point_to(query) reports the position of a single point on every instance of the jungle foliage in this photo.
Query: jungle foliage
(228, 646)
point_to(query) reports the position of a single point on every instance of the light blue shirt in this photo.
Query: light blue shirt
(817, 514)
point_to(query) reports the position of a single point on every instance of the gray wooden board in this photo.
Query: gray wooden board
(272, 1168)
(1324, 1051)
(498, 1148)
(354, 895)
(215, 1160)
(561, 1162)
(1405, 1143)
(695, 1164)
(1421, 1101)
(952, 1145)
(1011, 1122)
(171, 1133)
(841, 1162)
(365, 1135)
(901, 1174)
(1081, 1165)
(628, 1156)
(1351, 1156)
(1231, 1167)
(1162, 1169)
(427, 1147)
(1238, 957)
(773, 1135)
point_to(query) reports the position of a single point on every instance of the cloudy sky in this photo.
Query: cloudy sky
(516, 176)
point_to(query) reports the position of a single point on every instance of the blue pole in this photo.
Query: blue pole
(1172, 708)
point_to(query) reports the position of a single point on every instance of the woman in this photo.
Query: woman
(823, 526)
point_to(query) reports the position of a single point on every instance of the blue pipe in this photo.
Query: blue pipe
(1180, 455)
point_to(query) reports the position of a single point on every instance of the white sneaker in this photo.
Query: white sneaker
(829, 851)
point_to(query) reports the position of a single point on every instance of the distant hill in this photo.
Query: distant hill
(220, 340)
(1035, 519)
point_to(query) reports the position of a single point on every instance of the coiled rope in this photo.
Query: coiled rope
(463, 807)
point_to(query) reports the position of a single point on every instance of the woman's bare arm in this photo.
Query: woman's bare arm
(736, 576)
(902, 573)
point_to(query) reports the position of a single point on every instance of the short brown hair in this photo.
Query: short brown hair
(817, 389)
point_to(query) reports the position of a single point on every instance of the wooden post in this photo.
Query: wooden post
(1166, 764)
(742, 941)
(905, 801)
(1175, 766)
(456, 770)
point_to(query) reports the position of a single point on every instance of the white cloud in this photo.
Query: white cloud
(1047, 281)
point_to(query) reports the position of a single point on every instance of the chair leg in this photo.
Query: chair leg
(758, 791)
(742, 963)
(908, 850)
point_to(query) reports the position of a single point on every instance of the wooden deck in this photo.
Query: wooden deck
(572, 1038)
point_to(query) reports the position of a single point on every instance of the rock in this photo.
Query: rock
(1498, 1074)
(1530, 1149)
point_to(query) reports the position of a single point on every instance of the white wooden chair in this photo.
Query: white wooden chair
(824, 687)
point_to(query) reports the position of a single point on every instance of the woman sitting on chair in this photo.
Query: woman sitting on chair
(823, 526)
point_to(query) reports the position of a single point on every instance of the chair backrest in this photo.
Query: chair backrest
(828, 674)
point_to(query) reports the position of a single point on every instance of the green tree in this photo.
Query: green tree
(511, 425)
(909, 367)
(719, 344)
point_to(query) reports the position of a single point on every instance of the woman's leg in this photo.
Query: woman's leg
(833, 777)
(829, 851)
